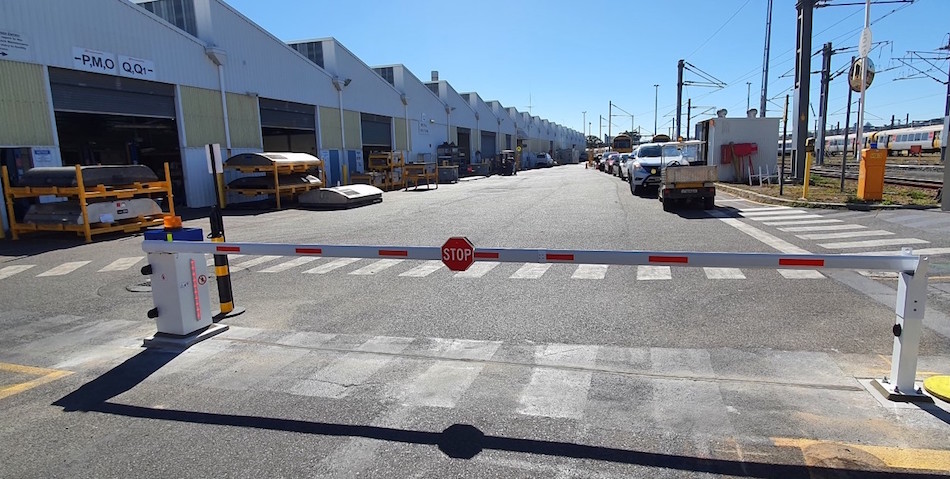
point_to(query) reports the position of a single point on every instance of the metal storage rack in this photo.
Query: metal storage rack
(83, 194)
(274, 165)
(392, 166)
(417, 173)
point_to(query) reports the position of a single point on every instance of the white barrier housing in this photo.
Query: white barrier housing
(911, 292)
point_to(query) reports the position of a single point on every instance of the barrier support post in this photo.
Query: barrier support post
(911, 300)
(222, 272)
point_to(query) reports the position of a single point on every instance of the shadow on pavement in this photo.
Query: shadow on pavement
(459, 441)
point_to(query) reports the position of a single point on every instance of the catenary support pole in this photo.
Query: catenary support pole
(802, 85)
(823, 103)
(847, 129)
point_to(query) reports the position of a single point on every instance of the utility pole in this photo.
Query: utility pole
(656, 93)
(585, 123)
(945, 202)
(859, 136)
(610, 117)
(765, 62)
(748, 93)
(847, 128)
(689, 114)
(600, 127)
(802, 83)
(679, 95)
(823, 102)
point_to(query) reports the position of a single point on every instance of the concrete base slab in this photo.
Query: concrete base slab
(170, 341)
(888, 398)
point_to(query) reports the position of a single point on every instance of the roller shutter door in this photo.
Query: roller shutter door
(488, 144)
(286, 114)
(377, 130)
(85, 92)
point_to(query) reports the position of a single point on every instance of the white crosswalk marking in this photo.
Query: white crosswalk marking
(8, 271)
(844, 234)
(231, 258)
(765, 208)
(332, 265)
(554, 392)
(445, 381)
(800, 274)
(783, 212)
(377, 266)
(277, 268)
(805, 229)
(424, 269)
(477, 270)
(873, 243)
(590, 271)
(651, 273)
(64, 268)
(784, 218)
(121, 264)
(252, 262)
(351, 370)
(803, 222)
(724, 273)
(531, 271)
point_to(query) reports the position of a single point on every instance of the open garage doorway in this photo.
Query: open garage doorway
(109, 120)
(288, 126)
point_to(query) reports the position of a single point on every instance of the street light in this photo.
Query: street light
(585, 120)
(656, 93)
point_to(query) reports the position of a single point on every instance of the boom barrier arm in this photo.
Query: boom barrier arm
(894, 263)
(911, 292)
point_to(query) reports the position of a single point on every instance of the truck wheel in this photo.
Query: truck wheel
(667, 205)
(709, 203)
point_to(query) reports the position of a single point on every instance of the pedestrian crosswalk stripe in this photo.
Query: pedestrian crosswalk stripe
(377, 266)
(872, 243)
(332, 265)
(252, 262)
(478, 269)
(783, 218)
(64, 268)
(8, 271)
(443, 383)
(531, 271)
(844, 234)
(590, 271)
(121, 264)
(353, 369)
(723, 273)
(277, 268)
(231, 257)
(751, 214)
(425, 269)
(560, 393)
(649, 273)
(765, 208)
(800, 274)
(803, 222)
(806, 229)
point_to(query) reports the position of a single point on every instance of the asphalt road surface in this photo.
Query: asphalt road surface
(402, 368)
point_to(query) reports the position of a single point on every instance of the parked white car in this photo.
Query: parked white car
(543, 160)
(648, 163)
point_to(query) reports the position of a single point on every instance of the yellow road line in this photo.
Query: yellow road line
(893, 457)
(45, 376)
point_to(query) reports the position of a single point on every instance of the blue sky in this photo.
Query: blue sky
(563, 57)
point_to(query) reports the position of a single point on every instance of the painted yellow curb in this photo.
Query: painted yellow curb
(938, 387)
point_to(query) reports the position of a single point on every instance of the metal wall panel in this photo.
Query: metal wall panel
(400, 127)
(242, 120)
(199, 186)
(202, 116)
(330, 128)
(351, 120)
(24, 110)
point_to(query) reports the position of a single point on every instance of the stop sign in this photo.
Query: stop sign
(458, 253)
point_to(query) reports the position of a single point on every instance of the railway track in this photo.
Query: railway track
(888, 179)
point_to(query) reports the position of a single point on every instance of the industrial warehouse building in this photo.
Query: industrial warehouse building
(154, 81)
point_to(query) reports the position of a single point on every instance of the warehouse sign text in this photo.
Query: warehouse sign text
(109, 64)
